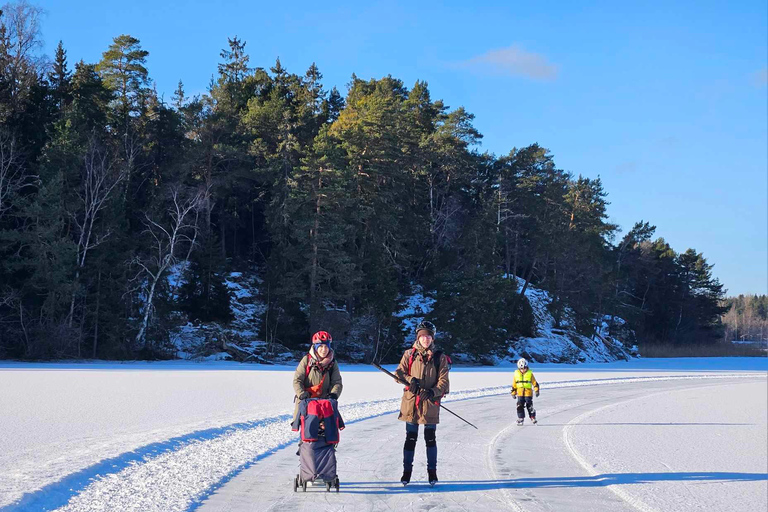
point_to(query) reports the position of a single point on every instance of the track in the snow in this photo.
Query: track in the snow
(499, 467)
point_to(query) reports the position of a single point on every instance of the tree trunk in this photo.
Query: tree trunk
(313, 305)
(96, 321)
(223, 232)
(145, 320)
(514, 264)
(522, 290)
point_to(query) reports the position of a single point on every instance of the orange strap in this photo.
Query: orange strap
(317, 389)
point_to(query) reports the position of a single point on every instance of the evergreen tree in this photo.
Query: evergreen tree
(204, 295)
(122, 67)
(59, 78)
(179, 99)
(90, 99)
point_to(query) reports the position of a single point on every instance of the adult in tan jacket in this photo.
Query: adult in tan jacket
(425, 369)
(317, 375)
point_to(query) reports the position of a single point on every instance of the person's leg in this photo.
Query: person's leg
(409, 449)
(431, 441)
(520, 408)
(430, 438)
(529, 406)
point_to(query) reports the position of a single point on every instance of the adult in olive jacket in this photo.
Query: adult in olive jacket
(425, 369)
(317, 375)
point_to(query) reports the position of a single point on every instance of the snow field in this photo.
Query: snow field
(728, 427)
(82, 437)
(505, 467)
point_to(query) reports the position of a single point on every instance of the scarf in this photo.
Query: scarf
(322, 363)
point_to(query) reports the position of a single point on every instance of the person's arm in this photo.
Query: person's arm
(336, 385)
(442, 386)
(535, 384)
(402, 368)
(299, 375)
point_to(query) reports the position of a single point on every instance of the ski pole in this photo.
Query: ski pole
(398, 379)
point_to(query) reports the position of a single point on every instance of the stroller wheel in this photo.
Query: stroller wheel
(296, 483)
(304, 486)
(337, 484)
(328, 486)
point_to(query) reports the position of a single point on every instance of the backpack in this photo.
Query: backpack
(435, 359)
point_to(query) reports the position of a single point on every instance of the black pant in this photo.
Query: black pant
(525, 402)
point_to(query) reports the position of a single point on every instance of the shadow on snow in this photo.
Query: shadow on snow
(555, 482)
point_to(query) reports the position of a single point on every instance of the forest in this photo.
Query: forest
(338, 201)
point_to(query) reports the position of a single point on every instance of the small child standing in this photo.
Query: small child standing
(523, 387)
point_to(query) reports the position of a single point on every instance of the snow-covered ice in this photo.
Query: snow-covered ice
(164, 436)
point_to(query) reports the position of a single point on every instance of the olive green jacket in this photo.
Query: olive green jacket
(303, 380)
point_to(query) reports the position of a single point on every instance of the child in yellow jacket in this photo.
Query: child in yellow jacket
(524, 385)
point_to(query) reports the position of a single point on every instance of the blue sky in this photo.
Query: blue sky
(666, 101)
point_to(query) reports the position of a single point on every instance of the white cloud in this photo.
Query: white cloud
(515, 61)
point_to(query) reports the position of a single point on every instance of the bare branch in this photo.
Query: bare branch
(168, 235)
(13, 176)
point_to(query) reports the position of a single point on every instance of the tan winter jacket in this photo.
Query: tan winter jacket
(302, 381)
(430, 377)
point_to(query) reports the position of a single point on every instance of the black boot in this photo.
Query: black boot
(406, 478)
(432, 475)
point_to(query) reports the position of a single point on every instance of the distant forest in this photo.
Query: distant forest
(339, 201)
(746, 318)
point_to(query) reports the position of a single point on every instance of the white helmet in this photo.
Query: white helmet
(522, 363)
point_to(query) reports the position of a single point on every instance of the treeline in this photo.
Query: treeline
(340, 203)
(746, 318)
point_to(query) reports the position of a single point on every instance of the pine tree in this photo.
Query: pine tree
(235, 68)
(59, 78)
(179, 98)
(122, 67)
(90, 99)
(322, 270)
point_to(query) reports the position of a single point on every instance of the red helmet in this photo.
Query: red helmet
(322, 337)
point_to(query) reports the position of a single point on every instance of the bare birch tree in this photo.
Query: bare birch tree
(19, 41)
(168, 237)
(99, 179)
(12, 175)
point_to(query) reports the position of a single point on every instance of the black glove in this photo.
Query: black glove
(427, 394)
(537, 393)
(303, 395)
(333, 396)
(413, 387)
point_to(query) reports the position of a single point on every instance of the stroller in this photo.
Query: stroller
(319, 423)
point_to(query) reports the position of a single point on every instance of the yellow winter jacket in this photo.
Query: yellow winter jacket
(524, 384)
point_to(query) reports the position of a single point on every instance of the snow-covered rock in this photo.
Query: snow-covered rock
(241, 338)
(562, 344)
